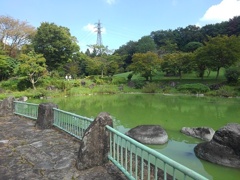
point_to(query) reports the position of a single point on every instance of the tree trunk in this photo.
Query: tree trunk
(218, 69)
(32, 81)
(102, 73)
(208, 73)
(180, 74)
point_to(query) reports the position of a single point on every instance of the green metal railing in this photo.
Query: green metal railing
(71, 123)
(28, 110)
(134, 159)
(138, 161)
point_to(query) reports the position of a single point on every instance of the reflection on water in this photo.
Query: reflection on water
(183, 153)
(170, 112)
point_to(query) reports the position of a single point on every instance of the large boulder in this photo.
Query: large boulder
(45, 115)
(95, 144)
(7, 106)
(224, 148)
(204, 133)
(148, 134)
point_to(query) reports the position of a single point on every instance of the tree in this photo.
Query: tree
(202, 62)
(192, 46)
(167, 48)
(56, 44)
(220, 52)
(126, 51)
(33, 66)
(72, 68)
(145, 44)
(7, 66)
(113, 63)
(233, 27)
(145, 64)
(214, 30)
(99, 50)
(163, 37)
(14, 33)
(188, 34)
(176, 64)
(232, 74)
(93, 66)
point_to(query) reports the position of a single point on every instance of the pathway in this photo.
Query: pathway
(31, 154)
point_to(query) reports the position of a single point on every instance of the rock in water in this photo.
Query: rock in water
(148, 134)
(224, 148)
(204, 133)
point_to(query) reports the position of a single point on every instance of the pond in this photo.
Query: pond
(169, 111)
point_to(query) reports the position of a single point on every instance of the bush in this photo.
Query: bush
(193, 88)
(10, 84)
(226, 91)
(98, 80)
(119, 80)
(106, 79)
(150, 88)
(137, 84)
(23, 84)
(232, 74)
(129, 77)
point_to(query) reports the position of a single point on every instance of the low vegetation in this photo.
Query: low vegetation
(56, 87)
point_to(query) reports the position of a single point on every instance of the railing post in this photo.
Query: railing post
(95, 146)
(45, 115)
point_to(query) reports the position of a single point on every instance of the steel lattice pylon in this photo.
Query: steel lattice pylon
(99, 35)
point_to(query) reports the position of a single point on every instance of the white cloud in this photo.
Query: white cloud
(93, 28)
(110, 1)
(90, 28)
(222, 12)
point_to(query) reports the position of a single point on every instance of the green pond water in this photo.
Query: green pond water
(172, 113)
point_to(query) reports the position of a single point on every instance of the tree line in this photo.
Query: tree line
(51, 50)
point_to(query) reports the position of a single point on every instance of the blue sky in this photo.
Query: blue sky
(121, 20)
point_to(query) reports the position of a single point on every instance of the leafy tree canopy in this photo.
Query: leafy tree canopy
(145, 64)
(33, 66)
(145, 44)
(14, 34)
(175, 64)
(219, 51)
(7, 66)
(55, 43)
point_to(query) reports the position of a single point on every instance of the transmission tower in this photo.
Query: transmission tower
(99, 35)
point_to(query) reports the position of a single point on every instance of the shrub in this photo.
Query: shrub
(10, 84)
(150, 88)
(129, 77)
(54, 74)
(193, 88)
(23, 84)
(232, 74)
(226, 91)
(98, 80)
(138, 84)
(119, 80)
(106, 79)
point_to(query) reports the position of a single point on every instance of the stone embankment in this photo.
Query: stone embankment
(27, 152)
